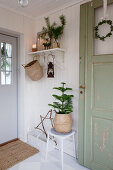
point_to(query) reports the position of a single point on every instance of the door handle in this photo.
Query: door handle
(82, 87)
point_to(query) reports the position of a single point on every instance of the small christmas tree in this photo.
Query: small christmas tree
(64, 104)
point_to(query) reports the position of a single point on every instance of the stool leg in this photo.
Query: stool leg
(62, 153)
(74, 145)
(47, 146)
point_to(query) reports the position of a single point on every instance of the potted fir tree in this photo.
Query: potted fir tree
(62, 121)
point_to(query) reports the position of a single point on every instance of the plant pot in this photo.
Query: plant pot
(62, 123)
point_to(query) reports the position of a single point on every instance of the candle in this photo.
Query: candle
(34, 48)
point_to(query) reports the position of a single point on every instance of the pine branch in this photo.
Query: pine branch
(63, 20)
(47, 22)
(57, 97)
(62, 89)
(54, 106)
(57, 104)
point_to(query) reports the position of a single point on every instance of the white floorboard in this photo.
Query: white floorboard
(37, 162)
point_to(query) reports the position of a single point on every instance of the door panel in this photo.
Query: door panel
(98, 94)
(102, 81)
(8, 88)
(102, 133)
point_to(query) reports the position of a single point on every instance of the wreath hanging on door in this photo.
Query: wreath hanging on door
(97, 35)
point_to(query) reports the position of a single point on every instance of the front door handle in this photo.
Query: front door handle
(82, 87)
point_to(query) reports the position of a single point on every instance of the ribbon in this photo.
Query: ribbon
(105, 8)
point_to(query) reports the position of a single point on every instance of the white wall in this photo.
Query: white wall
(69, 72)
(35, 96)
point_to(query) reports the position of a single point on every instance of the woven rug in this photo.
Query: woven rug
(15, 152)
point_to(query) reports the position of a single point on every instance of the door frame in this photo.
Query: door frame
(83, 74)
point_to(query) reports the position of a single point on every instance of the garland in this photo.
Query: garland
(97, 35)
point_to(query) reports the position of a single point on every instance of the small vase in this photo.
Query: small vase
(56, 44)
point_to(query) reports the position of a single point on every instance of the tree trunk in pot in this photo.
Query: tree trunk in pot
(62, 123)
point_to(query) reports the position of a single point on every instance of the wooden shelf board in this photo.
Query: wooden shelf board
(45, 51)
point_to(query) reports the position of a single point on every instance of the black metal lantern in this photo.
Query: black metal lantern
(50, 70)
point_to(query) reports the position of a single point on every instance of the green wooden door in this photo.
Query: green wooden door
(95, 145)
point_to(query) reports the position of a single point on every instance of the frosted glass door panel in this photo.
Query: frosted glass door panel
(103, 47)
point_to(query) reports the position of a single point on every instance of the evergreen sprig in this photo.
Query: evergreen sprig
(4, 56)
(47, 33)
(53, 31)
(58, 30)
(64, 104)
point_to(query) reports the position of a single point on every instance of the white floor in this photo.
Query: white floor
(37, 162)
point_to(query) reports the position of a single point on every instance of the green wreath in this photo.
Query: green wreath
(102, 38)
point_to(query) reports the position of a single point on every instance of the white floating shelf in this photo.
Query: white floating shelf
(47, 51)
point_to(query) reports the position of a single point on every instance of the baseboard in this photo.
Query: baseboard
(9, 142)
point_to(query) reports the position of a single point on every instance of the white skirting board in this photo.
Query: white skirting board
(38, 140)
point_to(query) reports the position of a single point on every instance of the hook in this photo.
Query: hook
(36, 56)
(44, 56)
(52, 55)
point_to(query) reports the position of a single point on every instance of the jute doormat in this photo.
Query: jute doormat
(15, 152)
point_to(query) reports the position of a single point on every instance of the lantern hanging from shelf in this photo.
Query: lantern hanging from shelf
(50, 66)
(50, 70)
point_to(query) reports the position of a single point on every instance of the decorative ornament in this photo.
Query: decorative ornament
(47, 116)
(43, 122)
(97, 35)
(50, 71)
(23, 3)
(104, 20)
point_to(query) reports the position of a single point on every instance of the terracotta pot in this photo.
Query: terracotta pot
(62, 123)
